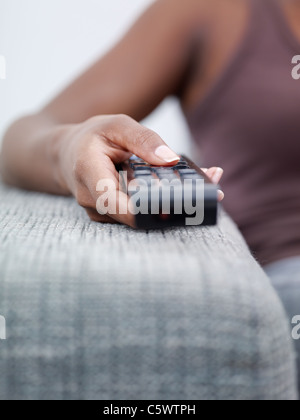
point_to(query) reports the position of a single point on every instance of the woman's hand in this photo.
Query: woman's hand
(89, 151)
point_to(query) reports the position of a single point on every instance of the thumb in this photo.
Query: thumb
(141, 141)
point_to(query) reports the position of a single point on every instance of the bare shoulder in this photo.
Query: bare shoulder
(199, 11)
(184, 11)
(189, 16)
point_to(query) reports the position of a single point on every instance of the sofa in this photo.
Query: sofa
(103, 312)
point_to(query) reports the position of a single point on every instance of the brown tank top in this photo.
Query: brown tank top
(249, 124)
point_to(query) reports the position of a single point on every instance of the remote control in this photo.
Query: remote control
(164, 197)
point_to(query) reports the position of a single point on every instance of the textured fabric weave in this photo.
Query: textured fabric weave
(285, 277)
(104, 312)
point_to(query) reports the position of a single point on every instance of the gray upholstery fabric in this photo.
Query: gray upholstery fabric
(104, 312)
(285, 278)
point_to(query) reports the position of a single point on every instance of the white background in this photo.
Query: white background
(47, 43)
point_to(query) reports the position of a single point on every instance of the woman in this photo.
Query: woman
(229, 62)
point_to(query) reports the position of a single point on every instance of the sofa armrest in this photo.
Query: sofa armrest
(104, 312)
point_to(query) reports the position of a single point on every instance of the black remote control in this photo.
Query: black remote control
(163, 197)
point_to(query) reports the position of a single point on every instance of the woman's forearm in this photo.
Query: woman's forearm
(29, 158)
(123, 81)
(77, 159)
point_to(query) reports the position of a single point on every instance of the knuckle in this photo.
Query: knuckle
(114, 121)
(95, 120)
(79, 170)
(123, 119)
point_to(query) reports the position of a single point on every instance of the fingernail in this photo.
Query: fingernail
(221, 195)
(217, 175)
(166, 154)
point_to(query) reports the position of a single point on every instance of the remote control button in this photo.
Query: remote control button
(168, 178)
(141, 168)
(182, 166)
(165, 171)
(136, 164)
(191, 177)
(187, 172)
(147, 179)
(143, 173)
(133, 165)
(162, 174)
(144, 177)
(162, 168)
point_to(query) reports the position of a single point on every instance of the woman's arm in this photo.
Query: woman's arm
(148, 64)
(65, 149)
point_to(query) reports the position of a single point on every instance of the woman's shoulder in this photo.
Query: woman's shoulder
(196, 13)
